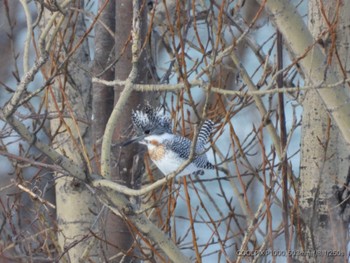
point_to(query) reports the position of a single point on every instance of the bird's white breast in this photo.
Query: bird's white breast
(171, 162)
(164, 158)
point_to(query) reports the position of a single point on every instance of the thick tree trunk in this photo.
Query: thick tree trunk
(324, 152)
(125, 167)
(70, 96)
(102, 96)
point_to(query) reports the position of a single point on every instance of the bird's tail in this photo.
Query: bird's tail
(205, 132)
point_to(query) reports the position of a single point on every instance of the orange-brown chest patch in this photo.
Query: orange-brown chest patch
(157, 153)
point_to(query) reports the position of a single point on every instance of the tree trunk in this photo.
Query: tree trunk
(126, 167)
(70, 97)
(324, 152)
(102, 96)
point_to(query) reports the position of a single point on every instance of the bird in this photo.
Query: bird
(169, 151)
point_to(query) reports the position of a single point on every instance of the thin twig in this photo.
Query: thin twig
(28, 36)
(35, 196)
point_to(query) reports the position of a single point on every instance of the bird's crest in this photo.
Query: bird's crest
(148, 120)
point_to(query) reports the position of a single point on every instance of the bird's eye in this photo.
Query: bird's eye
(150, 5)
(147, 131)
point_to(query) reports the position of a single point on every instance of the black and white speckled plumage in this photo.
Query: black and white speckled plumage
(148, 120)
(153, 125)
(205, 132)
(182, 146)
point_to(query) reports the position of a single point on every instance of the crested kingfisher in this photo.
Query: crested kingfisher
(167, 150)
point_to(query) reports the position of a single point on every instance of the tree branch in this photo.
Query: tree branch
(206, 86)
(299, 39)
(146, 227)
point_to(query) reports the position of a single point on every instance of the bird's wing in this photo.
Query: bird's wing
(182, 146)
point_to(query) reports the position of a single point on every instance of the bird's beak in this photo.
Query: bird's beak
(136, 139)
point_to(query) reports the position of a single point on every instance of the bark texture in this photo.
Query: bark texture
(324, 152)
(70, 97)
(126, 164)
(102, 96)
